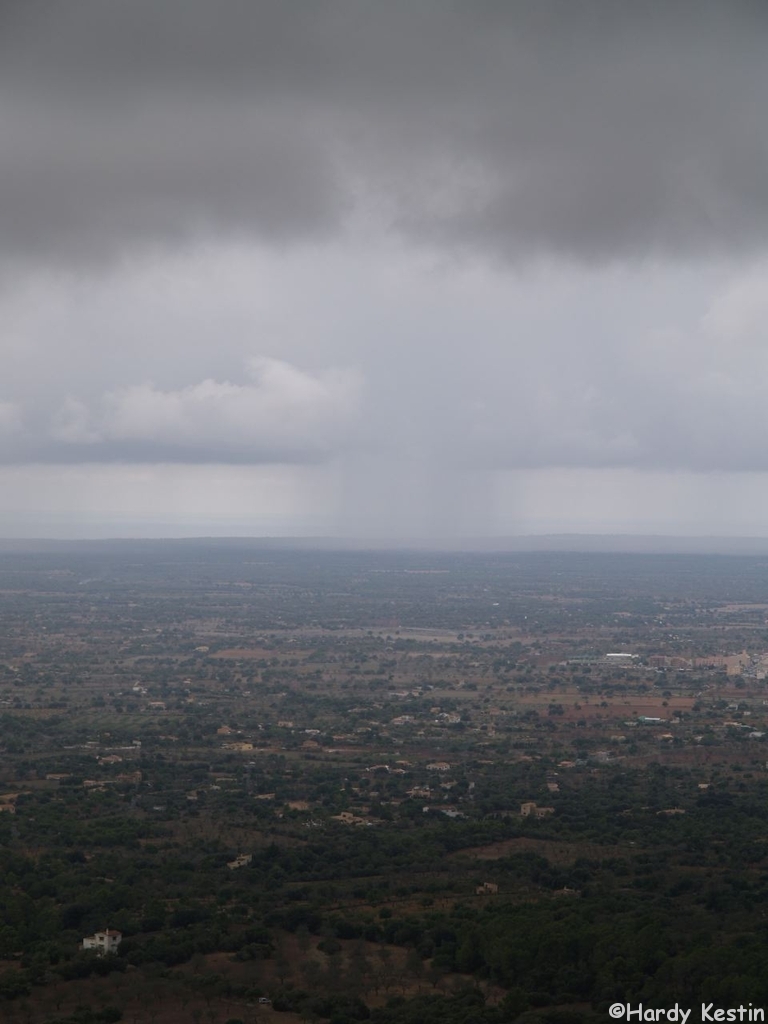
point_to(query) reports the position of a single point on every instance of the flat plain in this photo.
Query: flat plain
(398, 786)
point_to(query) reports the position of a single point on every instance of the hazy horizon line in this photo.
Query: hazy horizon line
(577, 543)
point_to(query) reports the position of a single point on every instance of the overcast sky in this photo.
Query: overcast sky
(414, 268)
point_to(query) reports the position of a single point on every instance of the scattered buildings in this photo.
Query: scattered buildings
(531, 809)
(487, 888)
(241, 860)
(103, 942)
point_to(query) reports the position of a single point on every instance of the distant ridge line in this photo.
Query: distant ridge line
(577, 543)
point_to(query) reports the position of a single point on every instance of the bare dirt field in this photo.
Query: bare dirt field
(557, 853)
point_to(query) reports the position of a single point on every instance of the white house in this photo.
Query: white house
(241, 861)
(103, 942)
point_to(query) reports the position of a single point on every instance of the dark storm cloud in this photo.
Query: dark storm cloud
(587, 129)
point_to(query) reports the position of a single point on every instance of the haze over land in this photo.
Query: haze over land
(394, 787)
(383, 271)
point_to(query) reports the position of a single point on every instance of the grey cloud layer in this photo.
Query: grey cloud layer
(592, 129)
(396, 369)
(384, 136)
(278, 414)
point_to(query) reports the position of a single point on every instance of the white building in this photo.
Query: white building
(103, 942)
(241, 861)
